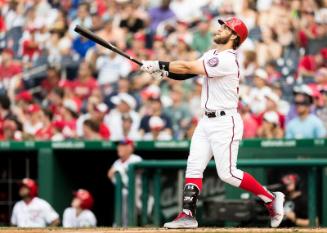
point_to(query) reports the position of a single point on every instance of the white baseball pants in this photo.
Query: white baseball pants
(218, 137)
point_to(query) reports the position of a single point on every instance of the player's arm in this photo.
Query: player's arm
(185, 67)
(178, 70)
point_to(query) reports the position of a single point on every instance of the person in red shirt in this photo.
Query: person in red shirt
(250, 123)
(52, 80)
(97, 115)
(84, 84)
(47, 131)
(8, 66)
(309, 64)
(30, 47)
(11, 131)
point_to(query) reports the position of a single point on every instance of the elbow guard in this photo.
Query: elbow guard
(180, 76)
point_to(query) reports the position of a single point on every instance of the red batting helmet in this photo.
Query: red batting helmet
(31, 185)
(85, 197)
(237, 26)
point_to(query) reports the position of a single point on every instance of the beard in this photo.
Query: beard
(221, 39)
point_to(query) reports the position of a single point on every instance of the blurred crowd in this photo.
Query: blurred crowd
(57, 85)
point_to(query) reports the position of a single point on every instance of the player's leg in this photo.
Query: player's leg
(225, 149)
(200, 155)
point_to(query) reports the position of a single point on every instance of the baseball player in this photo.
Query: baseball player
(220, 130)
(79, 214)
(125, 149)
(32, 211)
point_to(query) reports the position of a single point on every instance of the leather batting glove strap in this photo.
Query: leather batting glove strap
(164, 65)
(150, 66)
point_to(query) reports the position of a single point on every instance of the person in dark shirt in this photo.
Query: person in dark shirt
(296, 207)
(155, 110)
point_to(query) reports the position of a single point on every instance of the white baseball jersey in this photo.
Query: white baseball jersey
(85, 219)
(220, 87)
(37, 213)
(122, 167)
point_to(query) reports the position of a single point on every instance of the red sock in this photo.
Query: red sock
(196, 181)
(250, 184)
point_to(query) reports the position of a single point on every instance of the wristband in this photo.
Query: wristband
(164, 65)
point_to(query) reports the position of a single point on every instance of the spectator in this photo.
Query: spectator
(156, 109)
(91, 130)
(295, 207)
(249, 121)
(125, 105)
(131, 22)
(95, 122)
(83, 18)
(128, 131)
(23, 214)
(270, 127)
(272, 104)
(113, 64)
(160, 14)
(202, 38)
(46, 132)
(11, 130)
(322, 110)
(31, 48)
(157, 132)
(8, 67)
(125, 149)
(113, 34)
(81, 45)
(31, 121)
(52, 79)
(306, 124)
(83, 85)
(309, 64)
(179, 113)
(257, 99)
(80, 214)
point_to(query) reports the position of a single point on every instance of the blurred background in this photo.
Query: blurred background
(58, 91)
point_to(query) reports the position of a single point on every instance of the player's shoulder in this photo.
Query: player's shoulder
(87, 214)
(40, 201)
(69, 211)
(136, 158)
(18, 204)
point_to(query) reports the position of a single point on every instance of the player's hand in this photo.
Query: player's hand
(150, 66)
(158, 75)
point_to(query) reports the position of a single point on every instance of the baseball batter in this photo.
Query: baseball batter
(220, 130)
(32, 211)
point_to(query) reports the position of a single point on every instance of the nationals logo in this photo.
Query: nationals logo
(212, 62)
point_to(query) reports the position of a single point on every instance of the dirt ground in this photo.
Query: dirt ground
(160, 230)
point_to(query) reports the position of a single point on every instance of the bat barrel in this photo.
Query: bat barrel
(92, 36)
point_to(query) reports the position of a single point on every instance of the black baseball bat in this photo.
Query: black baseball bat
(92, 36)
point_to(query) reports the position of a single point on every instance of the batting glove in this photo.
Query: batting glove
(150, 66)
(158, 75)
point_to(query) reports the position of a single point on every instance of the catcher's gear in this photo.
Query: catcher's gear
(85, 197)
(237, 26)
(31, 185)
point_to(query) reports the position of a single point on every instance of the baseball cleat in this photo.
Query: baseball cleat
(182, 221)
(276, 209)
